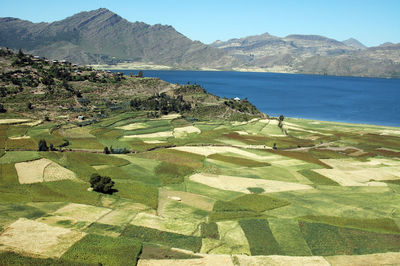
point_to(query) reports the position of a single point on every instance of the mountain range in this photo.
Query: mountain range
(103, 37)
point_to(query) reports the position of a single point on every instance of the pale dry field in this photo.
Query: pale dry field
(35, 238)
(232, 240)
(133, 126)
(390, 258)
(240, 184)
(55, 172)
(20, 137)
(348, 172)
(181, 132)
(208, 260)
(12, 121)
(82, 212)
(163, 134)
(282, 260)
(31, 172)
(118, 217)
(154, 141)
(42, 170)
(208, 150)
(194, 200)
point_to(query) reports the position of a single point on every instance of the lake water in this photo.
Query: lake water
(329, 98)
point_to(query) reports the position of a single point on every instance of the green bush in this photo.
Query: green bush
(102, 184)
(169, 239)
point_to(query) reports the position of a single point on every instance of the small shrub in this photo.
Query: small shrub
(42, 146)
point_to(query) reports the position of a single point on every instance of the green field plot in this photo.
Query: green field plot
(211, 192)
(163, 238)
(209, 230)
(104, 229)
(260, 237)
(85, 143)
(175, 157)
(259, 203)
(21, 144)
(170, 173)
(138, 192)
(317, 179)
(10, 258)
(287, 233)
(19, 156)
(379, 225)
(324, 239)
(95, 249)
(237, 160)
(10, 212)
(226, 210)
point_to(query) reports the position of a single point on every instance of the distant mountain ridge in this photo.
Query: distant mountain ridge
(103, 37)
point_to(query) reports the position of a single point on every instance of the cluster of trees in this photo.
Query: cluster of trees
(162, 103)
(102, 184)
(243, 106)
(42, 145)
(115, 151)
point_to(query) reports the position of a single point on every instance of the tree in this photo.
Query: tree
(20, 53)
(281, 118)
(106, 150)
(29, 105)
(42, 146)
(140, 74)
(102, 184)
(2, 109)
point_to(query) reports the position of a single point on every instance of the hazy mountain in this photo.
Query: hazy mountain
(354, 43)
(101, 36)
(313, 54)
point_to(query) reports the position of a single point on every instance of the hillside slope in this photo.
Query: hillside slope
(101, 36)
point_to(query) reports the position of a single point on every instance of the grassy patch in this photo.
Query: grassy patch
(209, 230)
(21, 144)
(169, 239)
(380, 225)
(316, 178)
(259, 203)
(175, 157)
(10, 258)
(19, 156)
(138, 192)
(301, 156)
(104, 229)
(170, 173)
(260, 237)
(211, 192)
(95, 249)
(225, 210)
(325, 240)
(237, 160)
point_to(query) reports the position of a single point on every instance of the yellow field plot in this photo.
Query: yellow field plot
(32, 237)
(55, 172)
(288, 162)
(355, 173)
(240, 184)
(207, 260)
(33, 123)
(154, 141)
(176, 218)
(288, 125)
(76, 132)
(20, 137)
(242, 133)
(61, 221)
(181, 132)
(271, 122)
(102, 166)
(282, 260)
(163, 134)
(118, 217)
(194, 200)
(208, 150)
(12, 121)
(390, 258)
(232, 240)
(42, 170)
(168, 117)
(133, 126)
(389, 132)
(31, 172)
(82, 212)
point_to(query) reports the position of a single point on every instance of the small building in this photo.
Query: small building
(236, 99)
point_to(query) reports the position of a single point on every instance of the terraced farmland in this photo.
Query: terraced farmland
(197, 192)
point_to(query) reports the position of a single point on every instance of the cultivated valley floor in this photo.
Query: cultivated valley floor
(199, 192)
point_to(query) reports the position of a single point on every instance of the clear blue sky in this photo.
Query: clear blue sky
(370, 21)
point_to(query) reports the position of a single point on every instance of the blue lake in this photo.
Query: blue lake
(329, 98)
